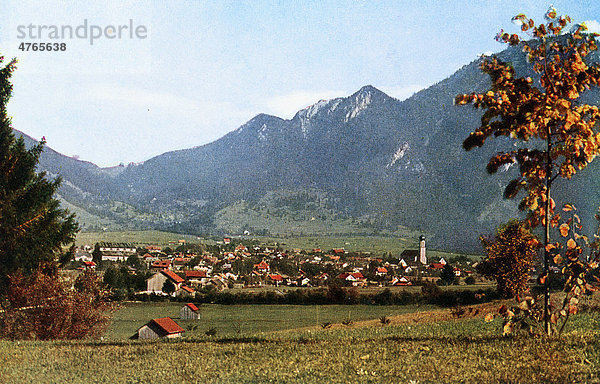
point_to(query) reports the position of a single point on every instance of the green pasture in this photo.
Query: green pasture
(150, 237)
(456, 351)
(235, 320)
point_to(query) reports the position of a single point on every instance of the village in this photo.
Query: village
(181, 270)
(185, 272)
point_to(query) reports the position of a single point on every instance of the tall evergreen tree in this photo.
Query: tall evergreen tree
(33, 228)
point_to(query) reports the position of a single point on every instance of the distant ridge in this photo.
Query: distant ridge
(366, 163)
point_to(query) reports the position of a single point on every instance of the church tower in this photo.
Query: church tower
(422, 250)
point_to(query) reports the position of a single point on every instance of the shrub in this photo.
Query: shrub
(40, 306)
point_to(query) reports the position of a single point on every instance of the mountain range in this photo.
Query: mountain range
(362, 164)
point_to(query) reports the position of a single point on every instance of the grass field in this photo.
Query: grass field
(236, 320)
(413, 349)
(137, 237)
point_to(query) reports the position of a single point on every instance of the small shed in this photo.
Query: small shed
(189, 312)
(159, 328)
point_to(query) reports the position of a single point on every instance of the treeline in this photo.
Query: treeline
(429, 294)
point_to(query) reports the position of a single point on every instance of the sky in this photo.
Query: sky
(140, 78)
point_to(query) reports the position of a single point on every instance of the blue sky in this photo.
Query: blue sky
(206, 67)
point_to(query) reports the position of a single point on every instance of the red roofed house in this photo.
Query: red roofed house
(381, 271)
(158, 328)
(184, 291)
(89, 265)
(161, 264)
(196, 277)
(262, 267)
(155, 283)
(179, 262)
(189, 312)
(400, 282)
(355, 279)
(276, 279)
(241, 248)
(153, 248)
(436, 266)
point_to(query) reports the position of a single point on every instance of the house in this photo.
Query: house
(82, 255)
(400, 282)
(180, 262)
(303, 282)
(155, 283)
(227, 240)
(189, 312)
(412, 255)
(355, 279)
(321, 278)
(160, 264)
(381, 271)
(154, 249)
(116, 251)
(276, 279)
(436, 266)
(159, 328)
(89, 265)
(184, 291)
(241, 248)
(262, 267)
(196, 277)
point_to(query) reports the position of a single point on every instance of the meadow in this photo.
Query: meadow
(247, 320)
(420, 347)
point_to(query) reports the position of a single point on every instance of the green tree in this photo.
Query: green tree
(112, 278)
(134, 261)
(510, 256)
(97, 254)
(33, 228)
(168, 287)
(447, 276)
(556, 131)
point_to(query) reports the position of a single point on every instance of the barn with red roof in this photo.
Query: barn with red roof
(159, 328)
(189, 312)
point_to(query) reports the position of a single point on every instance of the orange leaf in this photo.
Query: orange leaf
(571, 244)
(542, 279)
(564, 230)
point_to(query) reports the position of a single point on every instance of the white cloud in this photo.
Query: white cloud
(593, 26)
(402, 92)
(287, 105)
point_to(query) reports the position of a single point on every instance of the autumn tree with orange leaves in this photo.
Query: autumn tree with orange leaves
(558, 135)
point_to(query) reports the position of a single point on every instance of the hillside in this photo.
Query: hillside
(362, 164)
